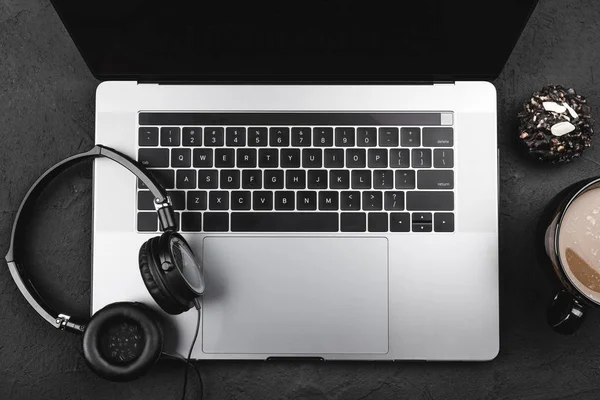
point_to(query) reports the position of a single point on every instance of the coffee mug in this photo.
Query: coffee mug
(568, 235)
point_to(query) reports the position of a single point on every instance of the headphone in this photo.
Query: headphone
(122, 340)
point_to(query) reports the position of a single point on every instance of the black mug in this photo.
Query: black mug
(570, 301)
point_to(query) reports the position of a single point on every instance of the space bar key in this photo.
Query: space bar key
(284, 222)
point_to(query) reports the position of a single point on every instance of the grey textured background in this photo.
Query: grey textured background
(47, 113)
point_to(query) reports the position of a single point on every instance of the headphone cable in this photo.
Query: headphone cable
(188, 361)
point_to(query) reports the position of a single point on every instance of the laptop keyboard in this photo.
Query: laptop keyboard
(230, 177)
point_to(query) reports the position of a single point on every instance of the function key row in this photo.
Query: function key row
(303, 222)
(296, 158)
(301, 179)
(296, 137)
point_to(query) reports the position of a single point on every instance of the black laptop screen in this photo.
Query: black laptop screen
(294, 41)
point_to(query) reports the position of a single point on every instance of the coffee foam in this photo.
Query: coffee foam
(579, 243)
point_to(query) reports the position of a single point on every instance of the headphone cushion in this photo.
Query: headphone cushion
(156, 288)
(122, 341)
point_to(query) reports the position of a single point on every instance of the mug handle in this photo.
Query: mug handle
(565, 313)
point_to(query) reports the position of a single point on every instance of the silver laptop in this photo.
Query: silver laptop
(337, 174)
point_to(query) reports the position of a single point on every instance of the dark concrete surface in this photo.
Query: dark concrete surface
(47, 113)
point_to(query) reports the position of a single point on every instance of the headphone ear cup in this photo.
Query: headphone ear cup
(159, 293)
(122, 341)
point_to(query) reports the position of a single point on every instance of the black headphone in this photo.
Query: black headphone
(122, 340)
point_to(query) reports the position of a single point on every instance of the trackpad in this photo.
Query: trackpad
(294, 295)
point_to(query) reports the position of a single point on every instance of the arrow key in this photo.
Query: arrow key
(400, 222)
(443, 222)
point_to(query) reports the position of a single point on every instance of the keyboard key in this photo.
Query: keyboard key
(214, 137)
(153, 158)
(148, 136)
(323, 137)
(251, 179)
(166, 177)
(145, 200)
(430, 201)
(177, 199)
(170, 136)
(405, 179)
(301, 137)
(290, 158)
(224, 158)
(147, 222)
(367, 137)
(334, 158)
(176, 220)
(372, 201)
(284, 222)
(181, 158)
(192, 137)
(268, 158)
(399, 158)
(306, 200)
(354, 222)
(421, 158)
(410, 137)
(196, 200)
(388, 137)
(393, 201)
(361, 179)
(218, 200)
(257, 137)
(443, 222)
(246, 158)
(328, 201)
(378, 222)
(339, 179)
(356, 158)
(350, 201)
(203, 158)
(378, 158)
(263, 200)
(317, 179)
(443, 158)
(295, 179)
(438, 137)
(421, 227)
(430, 179)
(345, 137)
(186, 179)
(230, 179)
(312, 158)
(284, 200)
(400, 222)
(191, 221)
(235, 137)
(240, 200)
(279, 137)
(421, 217)
(216, 222)
(383, 179)
(273, 179)
(207, 179)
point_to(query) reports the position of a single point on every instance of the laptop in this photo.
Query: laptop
(335, 167)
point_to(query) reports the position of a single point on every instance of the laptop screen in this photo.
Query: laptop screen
(323, 41)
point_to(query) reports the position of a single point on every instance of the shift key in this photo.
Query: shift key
(427, 179)
(429, 201)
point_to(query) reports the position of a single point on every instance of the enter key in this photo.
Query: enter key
(435, 179)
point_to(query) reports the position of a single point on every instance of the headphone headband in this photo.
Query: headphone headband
(161, 200)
